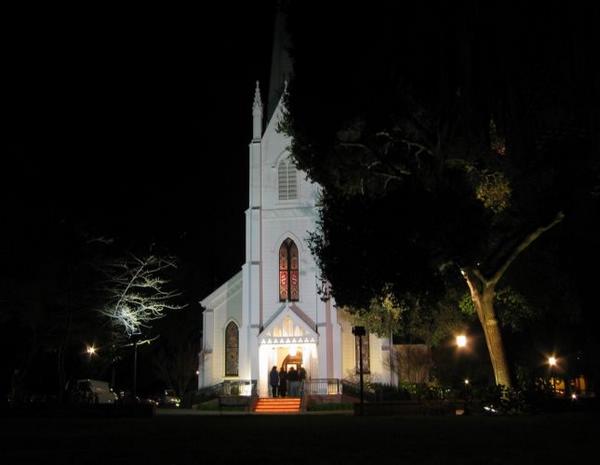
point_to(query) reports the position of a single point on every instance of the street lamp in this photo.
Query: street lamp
(552, 362)
(136, 341)
(461, 343)
(360, 332)
(91, 350)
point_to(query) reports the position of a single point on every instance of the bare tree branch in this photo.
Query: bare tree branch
(522, 246)
(136, 292)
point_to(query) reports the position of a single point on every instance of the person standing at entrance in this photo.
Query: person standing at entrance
(274, 380)
(301, 378)
(293, 379)
(282, 383)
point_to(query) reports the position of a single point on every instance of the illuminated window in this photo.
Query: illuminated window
(288, 272)
(365, 353)
(287, 180)
(232, 345)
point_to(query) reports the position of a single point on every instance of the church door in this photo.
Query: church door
(292, 361)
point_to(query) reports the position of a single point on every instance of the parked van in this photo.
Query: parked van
(94, 391)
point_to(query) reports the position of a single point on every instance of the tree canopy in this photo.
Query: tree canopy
(447, 139)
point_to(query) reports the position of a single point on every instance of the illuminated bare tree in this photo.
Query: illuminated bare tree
(137, 292)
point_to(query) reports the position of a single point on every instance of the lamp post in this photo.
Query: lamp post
(552, 362)
(360, 332)
(461, 343)
(135, 345)
(91, 350)
(135, 342)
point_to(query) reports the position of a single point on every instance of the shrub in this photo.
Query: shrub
(325, 407)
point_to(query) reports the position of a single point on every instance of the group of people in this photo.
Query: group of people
(290, 383)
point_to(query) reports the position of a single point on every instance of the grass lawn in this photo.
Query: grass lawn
(319, 440)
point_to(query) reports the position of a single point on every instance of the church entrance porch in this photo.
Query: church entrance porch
(285, 356)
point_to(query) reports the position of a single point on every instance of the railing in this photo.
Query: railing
(238, 387)
(353, 389)
(322, 386)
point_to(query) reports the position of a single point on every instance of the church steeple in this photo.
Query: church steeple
(281, 63)
(257, 114)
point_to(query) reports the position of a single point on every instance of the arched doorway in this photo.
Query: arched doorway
(292, 361)
(296, 373)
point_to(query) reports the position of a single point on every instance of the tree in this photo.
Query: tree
(175, 358)
(474, 143)
(176, 365)
(136, 292)
(413, 319)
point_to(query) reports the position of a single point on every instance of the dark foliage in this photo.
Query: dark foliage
(443, 135)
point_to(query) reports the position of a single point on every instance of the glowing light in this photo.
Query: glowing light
(293, 350)
(552, 361)
(461, 340)
(574, 396)
(91, 350)
(467, 381)
(197, 372)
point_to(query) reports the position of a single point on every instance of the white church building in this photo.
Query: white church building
(270, 313)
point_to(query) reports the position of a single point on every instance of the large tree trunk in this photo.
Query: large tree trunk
(483, 299)
(483, 291)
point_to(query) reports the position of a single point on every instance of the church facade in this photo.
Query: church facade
(270, 313)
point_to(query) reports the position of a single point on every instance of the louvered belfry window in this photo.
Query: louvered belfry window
(288, 272)
(287, 180)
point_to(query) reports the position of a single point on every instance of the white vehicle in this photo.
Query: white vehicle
(95, 392)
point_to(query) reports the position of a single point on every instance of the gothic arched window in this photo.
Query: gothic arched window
(288, 272)
(232, 346)
(287, 180)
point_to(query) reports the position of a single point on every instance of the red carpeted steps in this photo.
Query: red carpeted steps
(278, 405)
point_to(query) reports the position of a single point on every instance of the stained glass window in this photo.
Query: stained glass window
(232, 343)
(289, 286)
(365, 353)
(294, 290)
(283, 272)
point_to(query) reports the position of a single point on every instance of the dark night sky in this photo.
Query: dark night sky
(134, 125)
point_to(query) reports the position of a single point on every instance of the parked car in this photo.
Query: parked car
(170, 399)
(93, 391)
(126, 398)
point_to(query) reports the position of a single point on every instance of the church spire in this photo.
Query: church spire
(281, 63)
(257, 114)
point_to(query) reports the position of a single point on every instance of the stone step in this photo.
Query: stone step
(278, 405)
(278, 399)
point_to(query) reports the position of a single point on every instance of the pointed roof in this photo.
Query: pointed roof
(281, 63)
(224, 292)
(299, 318)
(257, 106)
